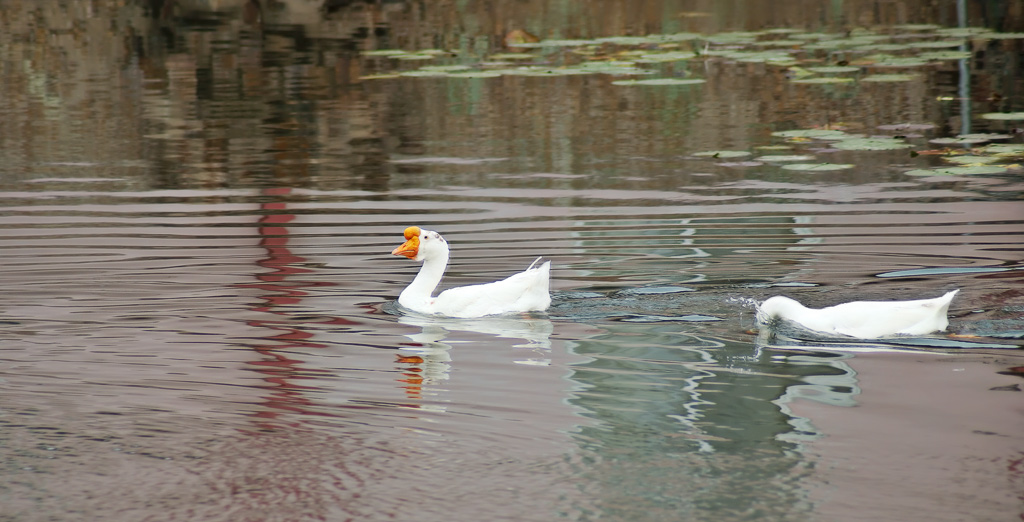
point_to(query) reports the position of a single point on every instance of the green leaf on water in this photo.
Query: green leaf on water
(1004, 149)
(820, 134)
(475, 74)
(817, 167)
(985, 135)
(900, 62)
(958, 171)
(1010, 116)
(722, 154)
(970, 159)
(834, 69)
(872, 144)
(784, 158)
(946, 55)
(958, 141)
(938, 44)
(384, 52)
(661, 81)
(828, 79)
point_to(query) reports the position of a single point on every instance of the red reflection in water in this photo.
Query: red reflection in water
(283, 286)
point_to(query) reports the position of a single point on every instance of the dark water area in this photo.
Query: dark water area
(198, 201)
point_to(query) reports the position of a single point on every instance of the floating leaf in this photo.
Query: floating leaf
(413, 56)
(946, 55)
(1004, 149)
(939, 44)
(475, 74)
(445, 68)
(829, 79)
(985, 136)
(957, 171)
(900, 62)
(958, 141)
(1003, 116)
(917, 27)
(661, 81)
(890, 78)
(970, 159)
(833, 69)
(723, 154)
(384, 52)
(785, 158)
(964, 32)
(871, 144)
(818, 167)
(820, 134)
(672, 56)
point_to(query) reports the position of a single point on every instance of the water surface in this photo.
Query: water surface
(198, 207)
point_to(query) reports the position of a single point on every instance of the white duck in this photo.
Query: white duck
(522, 292)
(863, 319)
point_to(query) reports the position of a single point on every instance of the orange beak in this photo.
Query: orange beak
(411, 247)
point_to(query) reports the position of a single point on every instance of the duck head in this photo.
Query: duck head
(422, 244)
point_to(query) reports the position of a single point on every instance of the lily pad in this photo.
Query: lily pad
(821, 134)
(938, 44)
(985, 135)
(384, 52)
(1009, 116)
(833, 69)
(445, 68)
(971, 159)
(946, 55)
(818, 167)
(827, 79)
(958, 171)
(900, 62)
(661, 81)
(872, 144)
(958, 141)
(785, 158)
(475, 74)
(1004, 149)
(723, 154)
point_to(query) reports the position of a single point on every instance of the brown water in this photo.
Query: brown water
(198, 204)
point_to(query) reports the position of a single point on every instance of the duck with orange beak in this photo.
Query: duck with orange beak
(526, 291)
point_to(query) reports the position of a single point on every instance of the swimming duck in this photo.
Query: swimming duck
(522, 292)
(863, 319)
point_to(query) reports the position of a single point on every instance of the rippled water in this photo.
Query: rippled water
(199, 319)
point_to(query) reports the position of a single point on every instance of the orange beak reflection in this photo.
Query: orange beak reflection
(412, 244)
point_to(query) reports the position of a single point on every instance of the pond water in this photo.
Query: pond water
(198, 202)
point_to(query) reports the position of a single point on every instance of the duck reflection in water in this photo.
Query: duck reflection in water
(426, 362)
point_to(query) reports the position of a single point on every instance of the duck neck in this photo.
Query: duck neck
(419, 292)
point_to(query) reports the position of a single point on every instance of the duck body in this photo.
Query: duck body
(863, 319)
(523, 292)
